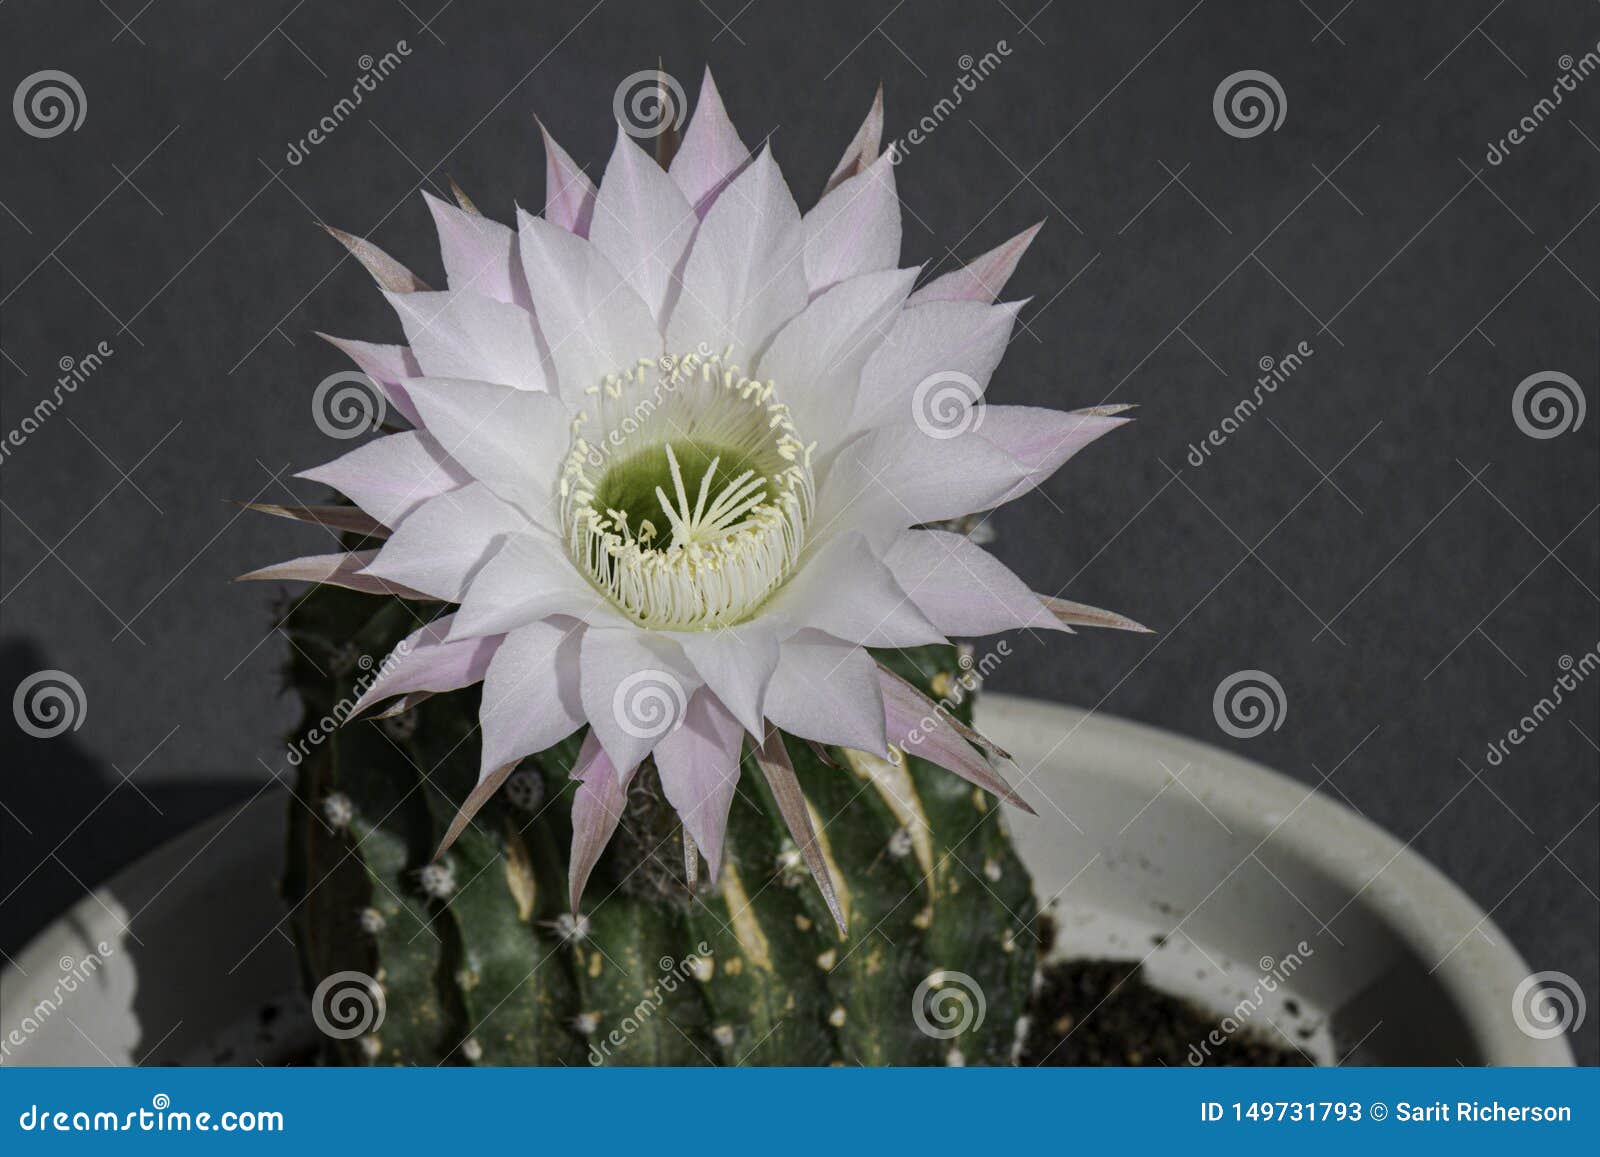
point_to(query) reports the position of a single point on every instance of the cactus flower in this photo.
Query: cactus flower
(678, 457)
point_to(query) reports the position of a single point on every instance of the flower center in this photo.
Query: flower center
(686, 491)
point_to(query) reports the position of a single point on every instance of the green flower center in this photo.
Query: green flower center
(685, 492)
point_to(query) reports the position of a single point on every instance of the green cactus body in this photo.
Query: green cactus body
(479, 960)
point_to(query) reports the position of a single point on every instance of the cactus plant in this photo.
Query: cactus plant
(683, 464)
(483, 962)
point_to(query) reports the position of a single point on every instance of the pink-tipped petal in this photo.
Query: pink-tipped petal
(828, 691)
(596, 811)
(745, 275)
(699, 766)
(506, 438)
(426, 661)
(529, 577)
(944, 347)
(480, 794)
(387, 365)
(439, 546)
(920, 727)
(390, 477)
(385, 270)
(711, 154)
(462, 334)
(737, 664)
(855, 229)
(773, 759)
(479, 255)
(594, 321)
(981, 279)
(568, 192)
(636, 690)
(339, 570)
(1043, 440)
(530, 693)
(962, 588)
(827, 345)
(642, 224)
(849, 592)
(863, 147)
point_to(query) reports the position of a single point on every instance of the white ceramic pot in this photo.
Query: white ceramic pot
(1239, 889)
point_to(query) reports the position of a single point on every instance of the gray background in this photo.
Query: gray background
(1381, 537)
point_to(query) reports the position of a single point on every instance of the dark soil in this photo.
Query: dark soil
(1101, 1012)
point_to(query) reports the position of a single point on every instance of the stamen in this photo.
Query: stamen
(654, 429)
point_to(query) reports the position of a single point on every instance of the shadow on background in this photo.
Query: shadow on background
(69, 820)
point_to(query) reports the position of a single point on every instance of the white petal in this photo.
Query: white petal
(983, 278)
(528, 578)
(530, 693)
(920, 727)
(510, 440)
(424, 661)
(593, 321)
(952, 345)
(855, 229)
(746, 275)
(346, 569)
(863, 147)
(818, 357)
(737, 664)
(699, 766)
(828, 691)
(847, 591)
(479, 255)
(468, 335)
(390, 477)
(440, 545)
(894, 478)
(596, 810)
(962, 588)
(711, 153)
(636, 689)
(568, 192)
(642, 224)
(387, 365)
(1042, 440)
